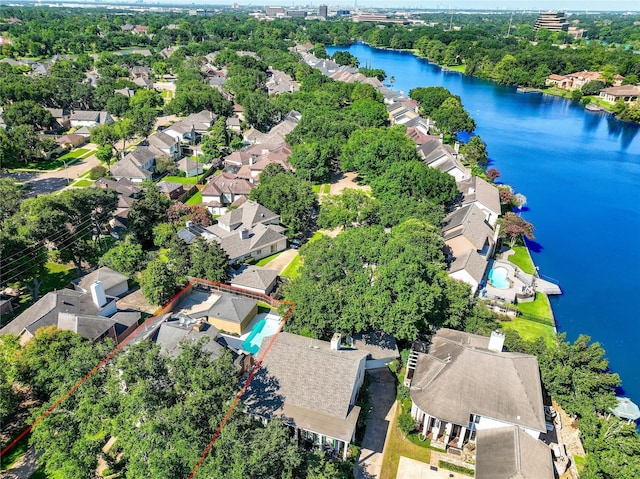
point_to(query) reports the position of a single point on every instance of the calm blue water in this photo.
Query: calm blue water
(580, 172)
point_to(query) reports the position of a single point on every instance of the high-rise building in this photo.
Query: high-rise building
(322, 11)
(552, 20)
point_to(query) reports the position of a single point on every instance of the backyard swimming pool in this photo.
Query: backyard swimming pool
(498, 278)
(262, 329)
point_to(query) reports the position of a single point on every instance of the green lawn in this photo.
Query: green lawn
(457, 68)
(316, 188)
(327, 189)
(292, 270)
(530, 330)
(195, 199)
(316, 236)
(397, 446)
(266, 260)
(79, 153)
(82, 183)
(522, 259)
(539, 309)
(181, 179)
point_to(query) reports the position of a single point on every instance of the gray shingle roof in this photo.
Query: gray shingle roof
(231, 308)
(162, 140)
(471, 262)
(127, 168)
(477, 189)
(171, 333)
(308, 382)
(106, 275)
(457, 378)
(259, 237)
(248, 214)
(468, 221)
(511, 453)
(254, 277)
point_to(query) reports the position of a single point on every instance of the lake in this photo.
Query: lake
(580, 173)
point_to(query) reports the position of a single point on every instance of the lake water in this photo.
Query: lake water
(580, 173)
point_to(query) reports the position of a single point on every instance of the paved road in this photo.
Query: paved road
(382, 395)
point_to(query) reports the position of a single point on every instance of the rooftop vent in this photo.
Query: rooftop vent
(496, 342)
(335, 341)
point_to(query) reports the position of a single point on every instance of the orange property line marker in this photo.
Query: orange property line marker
(118, 348)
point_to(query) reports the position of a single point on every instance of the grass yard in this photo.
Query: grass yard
(77, 154)
(397, 446)
(195, 199)
(539, 309)
(522, 259)
(292, 270)
(531, 330)
(457, 68)
(82, 183)
(268, 259)
(181, 179)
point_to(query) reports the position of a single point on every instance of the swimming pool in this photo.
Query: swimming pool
(262, 329)
(498, 278)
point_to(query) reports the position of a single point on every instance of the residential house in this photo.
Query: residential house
(223, 190)
(128, 92)
(89, 118)
(128, 192)
(573, 81)
(83, 131)
(256, 164)
(202, 120)
(182, 131)
(190, 167)
(508, 452)
(140, 72)
(113, 282)
(167, 145)
(71, 141)
(92, 314)
(140, 30)
(249, 231)
(469, 244)
(127, 27)
(484, 195)
(437, 155)
(233, 123)
(279, 82)
(627, 93)
(465, 383)
(61, 116)
(176, 329)
(171, 189)
(380, 346)
(255, 278)
(144, 82)
(312, 385)
(137, 166)
(277, 134)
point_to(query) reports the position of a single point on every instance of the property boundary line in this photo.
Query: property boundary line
(167, 307)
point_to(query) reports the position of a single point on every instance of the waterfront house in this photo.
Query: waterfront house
(483, 194)
(312, 385)
(469, 243)
(444, 158)
(627, 93)
(466, 383)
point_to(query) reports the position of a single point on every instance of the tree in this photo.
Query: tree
(430, 98)
(493, 174)
(514, 227)
(143, 119)
(592, 87)
(12, 195)
(27, 112)
(104, 153)
(178, 213)
(346, 209)
(452, 118)
(287, 195)
(345, 58)
(125, 257)
(475, 151)
(118, 105)
(208, 260)
(158, 282)
(24, 259)
(147, 212)
(367, 112)
(125, 129)
(310, 162)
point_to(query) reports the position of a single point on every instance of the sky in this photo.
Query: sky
(561, 5)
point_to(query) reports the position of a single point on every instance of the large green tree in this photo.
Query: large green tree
(148, 212)
(158, 282)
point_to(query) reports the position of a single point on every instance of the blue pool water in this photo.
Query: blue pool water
(580, 172)
(498, 278)
(262, 329)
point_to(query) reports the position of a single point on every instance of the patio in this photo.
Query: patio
(521, 285)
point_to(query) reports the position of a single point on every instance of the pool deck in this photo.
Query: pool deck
(519, 282)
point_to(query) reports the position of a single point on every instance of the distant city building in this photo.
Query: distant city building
(554, 21)
(275, 11)
(343, 13)
(323, 11)
(296, 13)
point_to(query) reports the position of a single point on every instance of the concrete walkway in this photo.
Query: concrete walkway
(280, 262)
(382, 397)
(23, 467)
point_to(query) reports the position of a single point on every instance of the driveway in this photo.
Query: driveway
(382, 396)
(280, 262)
(342, 181)
(412, 469)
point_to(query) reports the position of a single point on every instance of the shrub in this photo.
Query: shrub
(97, 172)
(406, 423)
(455, 468)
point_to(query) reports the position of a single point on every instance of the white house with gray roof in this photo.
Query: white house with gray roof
(466, 383)
(312, 385)
(444, 158)
(91, 118)
(255, 278)
(114, 283)
(483, 194)
(167, 144)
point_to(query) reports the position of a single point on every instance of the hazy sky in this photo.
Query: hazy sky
(633, 5)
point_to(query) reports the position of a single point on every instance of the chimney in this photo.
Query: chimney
(189, 224)
(244, 233)
(98, 295)
(251, 160)
(456, 147)
(335, 341)
(496, 341)
(198, 326)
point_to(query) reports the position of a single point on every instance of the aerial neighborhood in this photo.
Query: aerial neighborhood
(227, 253)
